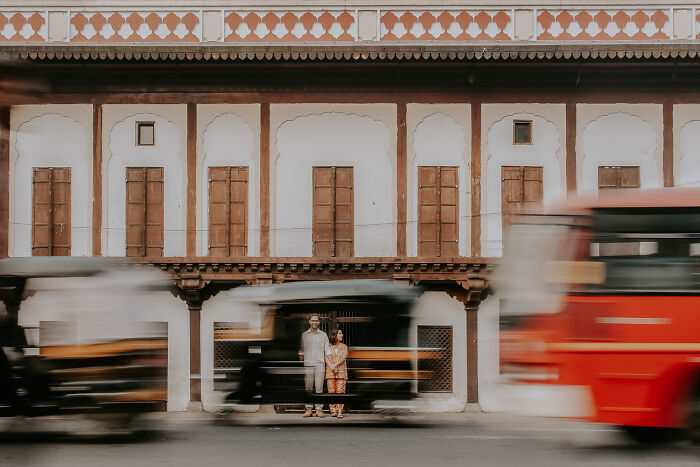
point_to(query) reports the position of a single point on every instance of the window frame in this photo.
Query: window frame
(139, 125)
(529, 126)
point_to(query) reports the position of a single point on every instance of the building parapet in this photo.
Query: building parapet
(337, 24)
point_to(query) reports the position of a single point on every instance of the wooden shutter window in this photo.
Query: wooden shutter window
(615, 178)
(333, 212)
(228, 211)
(618, 177)
(51, 226)
(438, 211)
(521, 190)
(144, 211)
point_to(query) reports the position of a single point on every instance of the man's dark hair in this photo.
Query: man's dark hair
(316, 315)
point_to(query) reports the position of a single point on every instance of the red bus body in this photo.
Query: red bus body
(634, 354)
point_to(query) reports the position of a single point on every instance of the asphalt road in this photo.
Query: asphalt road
(471, 439)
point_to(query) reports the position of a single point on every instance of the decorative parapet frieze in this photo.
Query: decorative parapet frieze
(345, 25)
(453, 25)
(22, 26)
(137, 26)
(290, 26)
(604, 25)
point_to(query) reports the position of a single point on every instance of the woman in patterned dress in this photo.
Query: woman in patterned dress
(336, 369)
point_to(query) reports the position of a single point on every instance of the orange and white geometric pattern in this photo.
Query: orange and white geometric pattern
(697, 25)
(22, 27)
(446, 25)
(290, 26)
(601, 25)
(142, 26)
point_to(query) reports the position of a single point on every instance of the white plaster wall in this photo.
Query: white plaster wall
(57, 300)
(35, 133)
(220, 308)
(498, 150)
(490, 398)
(361, 136)
(439, 309)
(120, 151)
(228, 135)
(437, 135)
(619, 134)
(686, 142)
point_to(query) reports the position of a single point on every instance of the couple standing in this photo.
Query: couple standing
(324, 358)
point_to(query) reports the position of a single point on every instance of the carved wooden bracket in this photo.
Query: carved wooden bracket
(193, 289)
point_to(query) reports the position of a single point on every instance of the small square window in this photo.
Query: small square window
(522, 132)
(145, 133)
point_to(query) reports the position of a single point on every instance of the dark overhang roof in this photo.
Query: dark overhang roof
(363, 52)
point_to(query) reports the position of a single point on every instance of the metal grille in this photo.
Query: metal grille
(229, 354)
(355, 326)
(436, 337)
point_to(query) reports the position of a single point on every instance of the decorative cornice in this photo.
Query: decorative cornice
(188, 272)
(451, 52)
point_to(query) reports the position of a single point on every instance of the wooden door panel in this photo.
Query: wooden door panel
(51, 213)
(344, 177)
(219, 185)
(521, 189)
(629, 177)
(448, 196)
(343, 196)
(144, 211)
(41, 212)
(343, 248)
(607, 177)
(333, 217)
(135, 211)
(344, 230)
(154, 211)
(448, 177)
(438, 200)
(228, 211)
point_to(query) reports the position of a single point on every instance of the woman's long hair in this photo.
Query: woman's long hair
(333, 336)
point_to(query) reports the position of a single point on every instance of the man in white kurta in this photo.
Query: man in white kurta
(314, 348)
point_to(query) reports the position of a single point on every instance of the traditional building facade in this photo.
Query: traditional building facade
(233, 143)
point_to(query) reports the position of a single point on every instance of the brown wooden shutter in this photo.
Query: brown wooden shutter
(228, 211)
(612, 177)
(144, 211)
(449, 212)
(428, 207)
(51, 226)
(333, 211)
(344, 216)
(41, 215)
(61, 211)
(521, 190)
(438, 211)
(154, 211)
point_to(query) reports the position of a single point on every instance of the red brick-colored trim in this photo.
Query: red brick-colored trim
(668, 143)
(571, 146)
(265, 179)
(97, 180)
(191, 178)
(401, 179)
(476, 179)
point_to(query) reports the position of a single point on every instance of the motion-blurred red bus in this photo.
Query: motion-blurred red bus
(600, 311)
